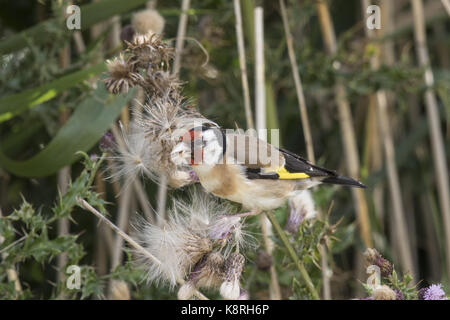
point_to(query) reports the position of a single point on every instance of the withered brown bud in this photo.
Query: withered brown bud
(127, 34)
(373, 257)
(264, 260)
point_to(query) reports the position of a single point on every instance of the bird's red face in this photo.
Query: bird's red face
(198, 146)
(194, 140)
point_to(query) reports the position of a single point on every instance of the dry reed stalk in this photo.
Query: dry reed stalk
(374, 160)
(80, 46)
(243, 64)
(63, 177)
(260, 93)
(437, 143)
(151, 4)
(381, 100)
(260, 107)
(307, 135)
(126, 196)
(181, 33)
(346, 122)
(298, 86)
(103, 247)
(123, 216)
(446, 4)
(84, 204)
(432, 245)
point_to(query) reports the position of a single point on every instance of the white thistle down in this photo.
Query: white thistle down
(186, 291)
(131, 155)
(174, 244)
(230, 288)
(184, 244)
(301, 207)
(215, 219)
(148, 21)
(164, 121)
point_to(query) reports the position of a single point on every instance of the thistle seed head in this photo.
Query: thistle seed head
(384, 293)
(208, 272)
(186, 291)
(149, 51)
(175, 244)
(146, 21)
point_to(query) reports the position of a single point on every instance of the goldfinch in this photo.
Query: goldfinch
(248, 170)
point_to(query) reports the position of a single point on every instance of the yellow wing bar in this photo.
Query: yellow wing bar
(284, 174)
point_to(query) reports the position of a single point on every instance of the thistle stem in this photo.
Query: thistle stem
(293, 255)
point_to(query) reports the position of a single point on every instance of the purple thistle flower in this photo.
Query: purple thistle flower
(193, 176)
(293, 222)
(107, 142)
(301, 207)
(434, 292)
(223, 227)
(398, 295)
(421, 293)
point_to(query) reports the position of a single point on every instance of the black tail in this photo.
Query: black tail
(343, 181)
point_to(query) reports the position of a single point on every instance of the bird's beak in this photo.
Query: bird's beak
(180, 154)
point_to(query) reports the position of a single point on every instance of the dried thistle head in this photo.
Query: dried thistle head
(164, 121)
(162, 83)
(208, 273)
(148, 20)
(148, 51)
(121, 75)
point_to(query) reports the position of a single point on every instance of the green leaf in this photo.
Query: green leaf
(12, 105)
(90, 14)
(81, 132)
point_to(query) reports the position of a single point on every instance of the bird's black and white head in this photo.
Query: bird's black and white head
(200, 145)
